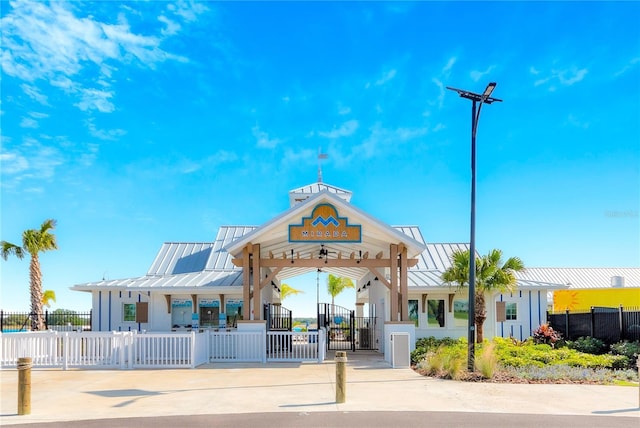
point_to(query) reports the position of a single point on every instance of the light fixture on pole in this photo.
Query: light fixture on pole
(477, 101)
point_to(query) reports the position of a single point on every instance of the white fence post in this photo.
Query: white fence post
(65, 351)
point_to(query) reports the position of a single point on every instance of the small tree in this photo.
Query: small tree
(491, 275)
(34, 241)
(286, 290)
(47, 297)
(336, 285)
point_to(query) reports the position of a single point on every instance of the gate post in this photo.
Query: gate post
(621, 321)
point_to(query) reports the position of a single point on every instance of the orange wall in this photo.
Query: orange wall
(585, 299)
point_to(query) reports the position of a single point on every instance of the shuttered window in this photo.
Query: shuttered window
(142, 312)
(501, 311)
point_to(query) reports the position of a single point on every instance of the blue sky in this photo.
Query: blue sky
(136, 123)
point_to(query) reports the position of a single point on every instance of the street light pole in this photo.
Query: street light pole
(477, 100)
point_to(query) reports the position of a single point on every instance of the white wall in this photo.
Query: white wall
(531, 313)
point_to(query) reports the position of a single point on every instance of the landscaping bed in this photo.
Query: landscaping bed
(585, 361)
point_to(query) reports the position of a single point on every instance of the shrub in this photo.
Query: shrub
(487, 362)
(430, 344)
(629, 350)
(546, 334)
(588, 345)
(445, 362)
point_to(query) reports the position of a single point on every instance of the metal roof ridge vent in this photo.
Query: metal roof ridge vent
(617, 281)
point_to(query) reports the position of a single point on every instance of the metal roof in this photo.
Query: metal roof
(376, 235)
(179, 282)
(582, 277)
(181, 257)
(303, 193)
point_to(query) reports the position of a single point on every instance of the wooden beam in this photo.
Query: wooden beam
(319, 263)
(393, 251)
(267, 280)
(168, 298)
(404, 286)
(246, 284)
(257, 302)
(380, 277)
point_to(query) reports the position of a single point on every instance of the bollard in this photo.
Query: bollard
(341, 376)
(24, 386)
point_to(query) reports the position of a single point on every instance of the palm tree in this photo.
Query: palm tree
(286, 290)
(336, 285)
(47, 297)
(34, 241)
(491, 275)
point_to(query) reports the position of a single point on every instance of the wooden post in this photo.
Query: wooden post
(341, 376)
(24, 386)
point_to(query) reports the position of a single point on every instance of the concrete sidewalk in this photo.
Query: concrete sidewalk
(372, 385)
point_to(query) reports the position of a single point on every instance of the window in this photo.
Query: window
(511, 311)
(181, 310)
(435, 313)
(460, 312)
(129, 312)
(413, 311)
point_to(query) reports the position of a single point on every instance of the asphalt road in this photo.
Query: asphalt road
(356, 420)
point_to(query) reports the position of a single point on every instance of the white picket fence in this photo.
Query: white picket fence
(130, 350)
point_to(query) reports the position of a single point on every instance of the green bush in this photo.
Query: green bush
(588, 345)
(629, 350)
(445, 362)
(430, 344)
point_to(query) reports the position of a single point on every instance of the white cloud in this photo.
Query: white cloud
(447, 68)
(628, 66)
(30, 160)
(263, 140)
(13, 163)
(28, 122)
(346, 129)
(109, 134)
(573, 121)
(533, 70)
(187, 10)
(441, 88)
(35, 94)
(342, 110)
(94, 99)
(439, 127)
(565, 77)
(381, 139)
(386, 77)
(38, 115)
(54, 43)
(477, 75)
(172, 27)
(569, 77)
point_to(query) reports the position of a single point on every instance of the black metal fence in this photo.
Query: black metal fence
(278, 318)
(610, 325)
(56, 320)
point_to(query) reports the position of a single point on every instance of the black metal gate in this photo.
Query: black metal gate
(344, 330)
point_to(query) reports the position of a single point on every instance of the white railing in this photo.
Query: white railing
(92, 349)
(158, 350)
(236, 346)
(294, 346)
